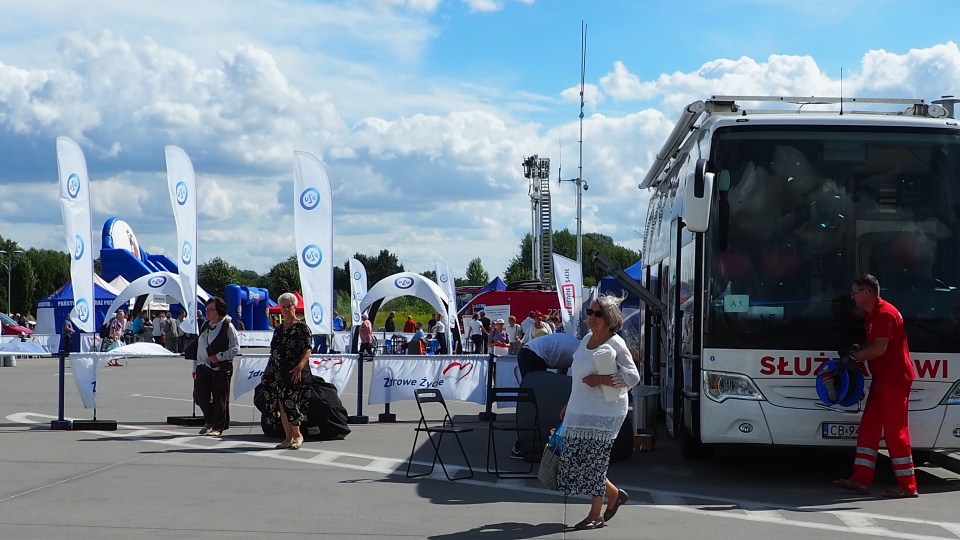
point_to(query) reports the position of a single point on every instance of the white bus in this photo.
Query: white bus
(758, 221)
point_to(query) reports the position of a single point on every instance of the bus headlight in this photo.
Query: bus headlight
(953, 396)
(723, 386)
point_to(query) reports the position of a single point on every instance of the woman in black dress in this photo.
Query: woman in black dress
(287, 377)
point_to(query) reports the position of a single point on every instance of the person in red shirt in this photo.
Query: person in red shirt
(887, 407)
(410, 326)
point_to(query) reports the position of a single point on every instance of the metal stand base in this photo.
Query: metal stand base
(387, 417)
(488, 416)
(358, 419)
(192, 421)
(61, 425)
(94, 425)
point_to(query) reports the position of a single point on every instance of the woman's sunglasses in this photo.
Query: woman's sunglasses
(594, 312)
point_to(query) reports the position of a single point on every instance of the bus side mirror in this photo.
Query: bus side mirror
(697, 198)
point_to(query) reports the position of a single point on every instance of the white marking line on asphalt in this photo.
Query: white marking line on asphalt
(182, 399)
(856, 522)
(764, 512)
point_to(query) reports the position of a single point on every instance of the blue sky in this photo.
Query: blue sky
(422, 110)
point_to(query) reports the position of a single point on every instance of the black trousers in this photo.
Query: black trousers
(528, 361)
(211, 392)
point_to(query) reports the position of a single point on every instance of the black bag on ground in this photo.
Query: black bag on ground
(623, 444)
(326, 415)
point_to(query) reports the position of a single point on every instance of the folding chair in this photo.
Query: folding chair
(524, 398)
(430, 427)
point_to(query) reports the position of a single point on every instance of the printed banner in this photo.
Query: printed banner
(448, 285)
(569, 278)
(75, 206)
(358, 289)
(87, 366)
(182, 184)
(313, 228)
(459, 378)
(254, 338)
(333, 368)
(506, 375)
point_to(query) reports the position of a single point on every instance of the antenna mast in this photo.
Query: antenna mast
(580, 183)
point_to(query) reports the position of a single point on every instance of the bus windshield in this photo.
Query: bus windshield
(802, 210)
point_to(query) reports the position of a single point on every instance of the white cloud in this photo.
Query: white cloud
(442, 181)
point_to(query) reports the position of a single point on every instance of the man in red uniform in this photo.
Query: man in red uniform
(887, 404)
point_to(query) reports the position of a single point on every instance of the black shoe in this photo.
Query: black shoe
(622, 497)
(515, 453)
(588, 524)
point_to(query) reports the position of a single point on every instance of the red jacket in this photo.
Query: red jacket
(894, 365)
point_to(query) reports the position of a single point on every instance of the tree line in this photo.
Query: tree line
(40, 272)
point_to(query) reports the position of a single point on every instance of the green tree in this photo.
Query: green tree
(215, 274)
(521, 266)
(341, 282)
(51, 270)
(430, 274)
(476, 275)
(249, 278)
(383, 265)
(284, 277)
(565, 244)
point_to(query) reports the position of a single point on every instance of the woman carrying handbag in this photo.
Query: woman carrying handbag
(603, 371)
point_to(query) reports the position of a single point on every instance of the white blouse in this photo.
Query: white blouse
(589, 414)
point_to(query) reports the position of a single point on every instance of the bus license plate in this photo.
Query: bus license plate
(840, 431)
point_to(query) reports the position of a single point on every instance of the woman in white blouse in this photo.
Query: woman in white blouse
(593, 415)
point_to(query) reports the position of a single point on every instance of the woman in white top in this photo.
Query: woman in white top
(439, 334)
(513, 334)
(591, 420)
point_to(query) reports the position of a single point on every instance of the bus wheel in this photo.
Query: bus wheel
(693, 449)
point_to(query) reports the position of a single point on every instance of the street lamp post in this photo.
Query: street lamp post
(9, 260)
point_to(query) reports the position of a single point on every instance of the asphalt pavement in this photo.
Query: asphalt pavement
(150, 479)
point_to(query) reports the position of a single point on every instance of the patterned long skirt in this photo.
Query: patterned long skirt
(583, 466)
(295, 398)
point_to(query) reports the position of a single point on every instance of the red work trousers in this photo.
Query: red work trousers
(885, 414)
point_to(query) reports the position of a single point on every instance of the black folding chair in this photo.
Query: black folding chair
(524, 399)
(431, 427)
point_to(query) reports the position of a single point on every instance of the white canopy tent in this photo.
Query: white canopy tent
(407, 284)
(155, 283)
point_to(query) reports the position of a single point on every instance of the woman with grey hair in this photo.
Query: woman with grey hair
(287, 377)
(595, 411)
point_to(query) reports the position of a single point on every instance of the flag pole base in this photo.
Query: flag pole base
(185, 420)
(94, 425)
(61, 425)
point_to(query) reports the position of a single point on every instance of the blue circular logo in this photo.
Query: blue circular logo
(310, 198)
(186, 252)
(312, 256)
(73, 185)
(78, 248)
(83, 309)
(357, 276)
(182, 194)
(403, 282)
(356, 317)
(316, 312)
(443, 278)
(358, 296)
(157, 282)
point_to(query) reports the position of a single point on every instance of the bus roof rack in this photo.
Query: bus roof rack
(726, 105)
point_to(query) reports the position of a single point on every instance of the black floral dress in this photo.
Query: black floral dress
(286, 350)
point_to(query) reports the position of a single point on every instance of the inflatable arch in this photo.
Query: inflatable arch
(404, 284)
(155, 283)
